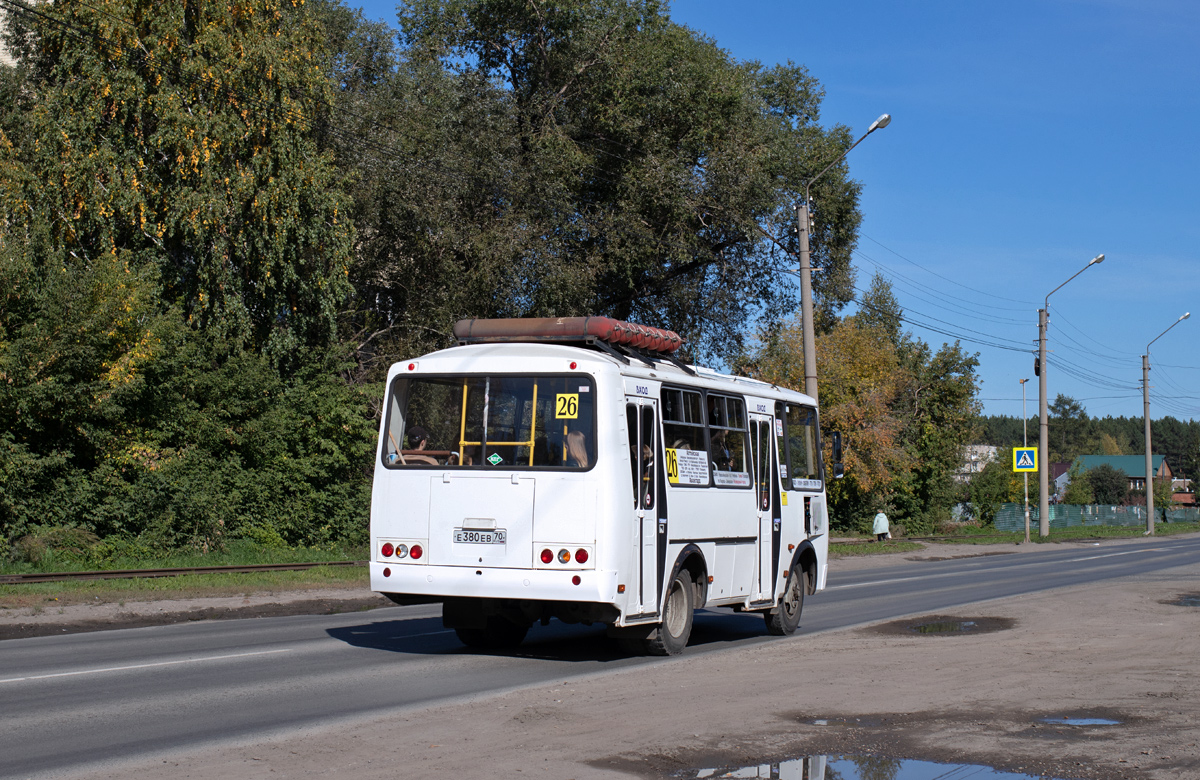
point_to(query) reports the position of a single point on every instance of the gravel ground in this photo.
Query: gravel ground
(1117, 650)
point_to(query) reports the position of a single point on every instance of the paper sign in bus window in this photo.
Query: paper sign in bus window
(566, 406)
(687, 467)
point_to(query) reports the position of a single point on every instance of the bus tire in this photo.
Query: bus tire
(499, 634)
(784, 619)
(676, 627)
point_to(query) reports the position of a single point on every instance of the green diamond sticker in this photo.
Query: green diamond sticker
(495, 459)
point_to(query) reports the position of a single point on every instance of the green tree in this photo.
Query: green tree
(1070, 428)
(880, 309)
(859, 376)
(583, 157)
(990, 488)
(181, 137)
(174, 252)
(1079, 488)
(939, 405)
(1109, 484)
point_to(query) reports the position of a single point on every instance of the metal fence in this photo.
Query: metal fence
(1011, 517)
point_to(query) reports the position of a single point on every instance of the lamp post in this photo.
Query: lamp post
(1043, 431)
(1025, 443)
(1146, 415)
(804, 220)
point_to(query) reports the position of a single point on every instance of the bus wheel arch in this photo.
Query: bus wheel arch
(691, 560)
(805, 558)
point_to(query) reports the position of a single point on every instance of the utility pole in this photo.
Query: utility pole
(1043, 427)
(1146, 417)
(804, 225)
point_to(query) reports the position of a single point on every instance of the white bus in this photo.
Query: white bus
(573, 468)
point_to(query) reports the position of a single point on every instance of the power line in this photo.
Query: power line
(960, 284)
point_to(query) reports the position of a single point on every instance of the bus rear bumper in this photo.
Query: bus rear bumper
(595, 586)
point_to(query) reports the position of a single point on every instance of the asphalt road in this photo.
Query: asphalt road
(72, 702)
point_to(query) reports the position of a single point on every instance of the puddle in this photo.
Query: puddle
(1080, 721)
(1188, 600)
(857, 768)
(945, 627)
(869, 722)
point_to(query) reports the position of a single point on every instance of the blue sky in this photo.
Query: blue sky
(1027, 137)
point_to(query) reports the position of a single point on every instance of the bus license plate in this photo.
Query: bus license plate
(470, 536)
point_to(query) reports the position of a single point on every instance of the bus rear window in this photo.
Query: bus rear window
(491, 422)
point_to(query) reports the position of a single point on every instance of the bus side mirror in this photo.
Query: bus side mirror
(839, 471)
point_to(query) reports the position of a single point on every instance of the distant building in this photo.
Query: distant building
(975, 457)
(1058, 476)
(1134, 467)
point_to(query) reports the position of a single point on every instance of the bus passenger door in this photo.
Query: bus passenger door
(642, 420)
(761, 445)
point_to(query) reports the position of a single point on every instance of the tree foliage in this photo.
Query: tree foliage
(174, 256)
(588, 157)
(1109, 485)
(905, 411)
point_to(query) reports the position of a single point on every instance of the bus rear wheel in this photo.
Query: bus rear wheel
(672, 635)
(784, 619)
(499, 634)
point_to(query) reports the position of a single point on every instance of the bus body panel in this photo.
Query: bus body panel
(630, 550)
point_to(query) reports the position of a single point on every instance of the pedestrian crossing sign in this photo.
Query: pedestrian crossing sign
(1025, 459)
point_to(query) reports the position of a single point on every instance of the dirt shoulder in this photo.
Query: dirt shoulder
(1118, 650)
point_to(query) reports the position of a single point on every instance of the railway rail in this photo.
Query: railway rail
(116, 574)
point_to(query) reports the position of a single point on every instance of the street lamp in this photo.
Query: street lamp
(1043, 431)
(1025, 443)
(1146, 415)
(803, 220)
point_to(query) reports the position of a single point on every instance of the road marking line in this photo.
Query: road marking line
(141, 666)
(1114, 555)
(1027, 563)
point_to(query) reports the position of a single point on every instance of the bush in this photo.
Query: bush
(45, 544)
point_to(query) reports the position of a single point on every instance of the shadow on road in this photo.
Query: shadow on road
(555, 642)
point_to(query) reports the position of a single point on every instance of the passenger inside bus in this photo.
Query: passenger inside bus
(418, 439)
(577, 456)
(721, 456)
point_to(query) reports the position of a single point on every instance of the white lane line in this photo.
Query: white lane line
(886, 582)
(1030, 563)
(141, 666)
(1114, 555)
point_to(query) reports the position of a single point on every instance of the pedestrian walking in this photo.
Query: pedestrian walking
(881, 527)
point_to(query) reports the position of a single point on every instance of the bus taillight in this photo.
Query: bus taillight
(564, 556)
(547, 556)
(415, 551)
(581, 555)
(387, 550)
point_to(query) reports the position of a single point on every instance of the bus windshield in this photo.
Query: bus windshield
(491, 422)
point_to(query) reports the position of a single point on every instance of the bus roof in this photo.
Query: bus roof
(523, 357)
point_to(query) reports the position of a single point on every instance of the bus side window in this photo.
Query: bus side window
(803, 443)
(648, 450)
(631, 425)
(781, 445)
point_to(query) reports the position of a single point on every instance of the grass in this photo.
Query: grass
(186, 586)
(236, 553)
(837, 550)
(861, 545)
(1072, 533)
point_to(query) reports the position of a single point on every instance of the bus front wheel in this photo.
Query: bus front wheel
(784, 619)
(672, 635)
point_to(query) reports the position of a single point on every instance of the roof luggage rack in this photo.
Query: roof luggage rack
(615, 337)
